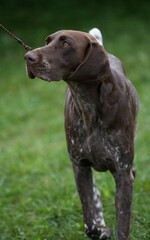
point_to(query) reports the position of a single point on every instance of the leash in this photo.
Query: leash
(17, 39)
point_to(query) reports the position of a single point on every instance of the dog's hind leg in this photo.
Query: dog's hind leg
(98, 206)
(134, 170)
(94, 224)
(98, 213)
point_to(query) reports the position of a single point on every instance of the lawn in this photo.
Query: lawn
(38, 198)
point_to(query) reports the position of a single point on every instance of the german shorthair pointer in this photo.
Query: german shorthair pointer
(100, 120)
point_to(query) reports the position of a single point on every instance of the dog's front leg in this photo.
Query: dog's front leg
(124, 187)
(91, 204)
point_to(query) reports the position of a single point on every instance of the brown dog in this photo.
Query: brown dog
(100, 117)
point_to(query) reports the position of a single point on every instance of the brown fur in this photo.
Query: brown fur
(100, 120)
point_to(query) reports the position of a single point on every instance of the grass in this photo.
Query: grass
(38, 198)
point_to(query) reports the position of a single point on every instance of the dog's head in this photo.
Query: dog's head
(68, 55)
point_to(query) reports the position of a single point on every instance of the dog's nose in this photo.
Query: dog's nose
(31, 57)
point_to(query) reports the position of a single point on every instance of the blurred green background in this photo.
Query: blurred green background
(38, 198)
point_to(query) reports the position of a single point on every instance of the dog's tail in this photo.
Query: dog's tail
(96, 33)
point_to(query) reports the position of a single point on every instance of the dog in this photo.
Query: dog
(101, 107)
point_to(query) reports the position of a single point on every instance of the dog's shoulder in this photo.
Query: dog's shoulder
(117, 93)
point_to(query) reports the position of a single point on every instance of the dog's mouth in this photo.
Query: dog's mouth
(30, 73)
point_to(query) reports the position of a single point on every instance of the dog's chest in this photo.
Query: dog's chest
(89, 138)
(78, 147)
(90, 147)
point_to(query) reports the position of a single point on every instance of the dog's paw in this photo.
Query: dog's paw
(105, 233)
(98, 232)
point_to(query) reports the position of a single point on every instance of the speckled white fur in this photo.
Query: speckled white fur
(45, 65)
(98, 204)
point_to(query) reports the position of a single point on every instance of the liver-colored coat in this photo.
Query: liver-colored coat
(100, 120)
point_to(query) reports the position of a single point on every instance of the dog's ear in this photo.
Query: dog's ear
(94, 66)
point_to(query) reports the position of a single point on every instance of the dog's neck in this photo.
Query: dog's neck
(86, 101)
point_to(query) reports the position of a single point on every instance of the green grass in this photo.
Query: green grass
(38, 198)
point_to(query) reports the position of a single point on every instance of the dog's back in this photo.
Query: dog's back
(115, 63)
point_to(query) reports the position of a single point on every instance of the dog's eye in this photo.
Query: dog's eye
(65, 44)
